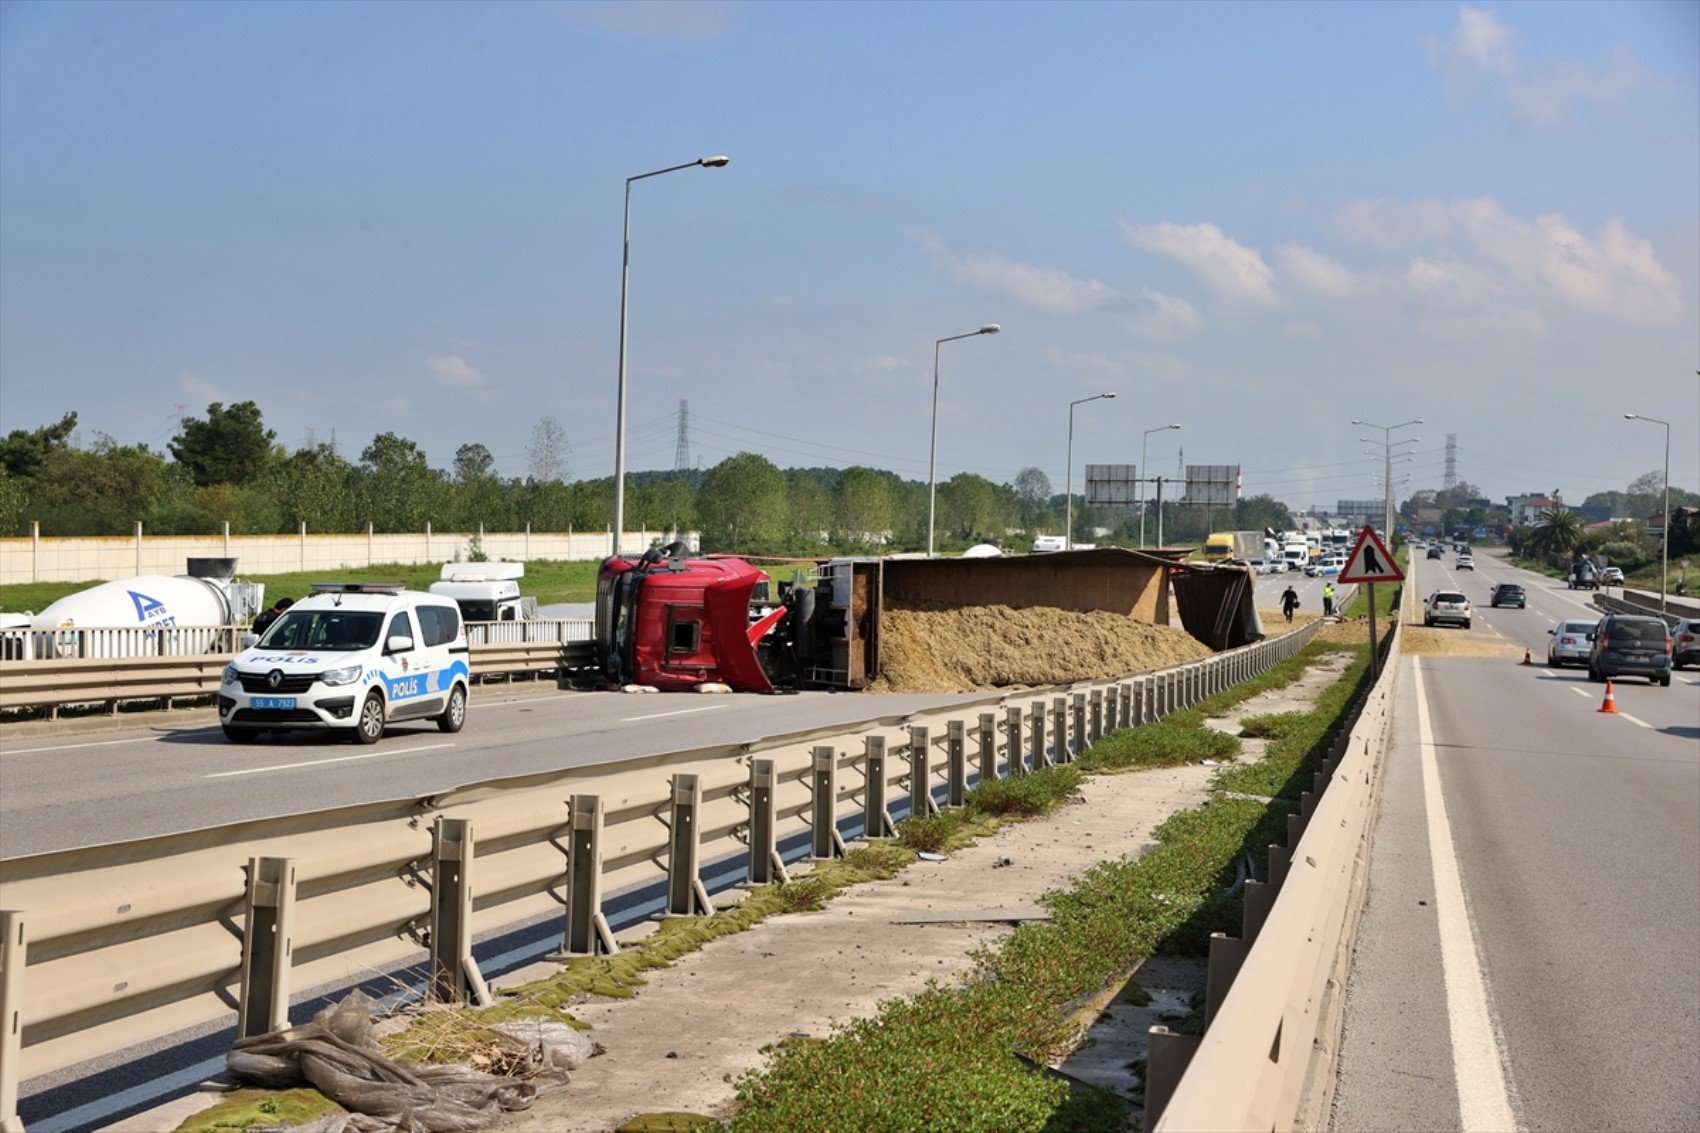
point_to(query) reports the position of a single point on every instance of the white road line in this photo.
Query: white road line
(680, 712)
(1478, 1066)
(1579, 691)
(321, 762)
(1635, 720)
(65, 747)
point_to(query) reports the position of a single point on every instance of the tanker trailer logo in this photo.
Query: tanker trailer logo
(150, 611)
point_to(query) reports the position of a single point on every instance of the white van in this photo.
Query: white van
(353, 656)
(1296, 555)
(1043, 543)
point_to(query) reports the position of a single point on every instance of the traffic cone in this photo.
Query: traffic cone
(1527, 660)
(1610, 706)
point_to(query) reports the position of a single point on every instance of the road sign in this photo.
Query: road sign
(1369, 561)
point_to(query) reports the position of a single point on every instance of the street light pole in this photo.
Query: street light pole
(1142, 478)
(620, 401)
(1387, 475)
(1664, 543)
(1068, 476)
(933, 448)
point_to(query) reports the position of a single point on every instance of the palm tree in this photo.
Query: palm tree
(1557, 532)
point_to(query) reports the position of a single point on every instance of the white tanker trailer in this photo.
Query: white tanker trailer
(149, 615)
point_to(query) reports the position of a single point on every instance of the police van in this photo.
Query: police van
(351, 656)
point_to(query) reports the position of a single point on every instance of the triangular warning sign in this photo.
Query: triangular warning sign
(1369, 561)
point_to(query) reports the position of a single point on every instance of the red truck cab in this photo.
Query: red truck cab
(674, 623)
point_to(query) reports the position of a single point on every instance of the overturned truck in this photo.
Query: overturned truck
(677, 623)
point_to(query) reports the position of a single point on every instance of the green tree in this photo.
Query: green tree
(810, 511)
(967, 507)
(401, 490)
(1254, 513)
(13, 500)
(743, 505)
(1033, 491)
(24, 451)
(1557, 532)
(863, 513)
(316, 486)
(229, 447)
(104, 490)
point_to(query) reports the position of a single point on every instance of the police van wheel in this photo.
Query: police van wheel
(370, 728)
(454, 716)
(241, 735)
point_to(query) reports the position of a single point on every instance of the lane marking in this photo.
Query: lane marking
(1478, 1066)
(680, 712)
(1581, 692)
(1634, 719)
(74, 747)
(322, 762)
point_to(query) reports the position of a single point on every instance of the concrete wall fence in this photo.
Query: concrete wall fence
(94, 557)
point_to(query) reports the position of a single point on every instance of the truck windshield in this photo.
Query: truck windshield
(334, 630)
(473, 610)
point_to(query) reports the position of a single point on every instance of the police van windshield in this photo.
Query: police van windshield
(332, 630)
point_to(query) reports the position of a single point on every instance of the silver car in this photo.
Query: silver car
(1447, 606)
(1569, 644)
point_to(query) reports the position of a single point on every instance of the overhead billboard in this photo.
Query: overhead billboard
(1212, 485)
(1111, 485)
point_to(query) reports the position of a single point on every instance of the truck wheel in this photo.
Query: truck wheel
(370, 728)
(454, 716)
(241, 735)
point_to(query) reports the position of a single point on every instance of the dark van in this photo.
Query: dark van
(1630, 645)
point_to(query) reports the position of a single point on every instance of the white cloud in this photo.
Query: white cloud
(1614, 274)
(1317, 273)
(1447, 282)
(200, 388)
(1232, 269)
(1042, 288)
(876, 364)
(455, 372)
(1302, 332)
(1481, 48)
(1169, 317)
(1390, 225)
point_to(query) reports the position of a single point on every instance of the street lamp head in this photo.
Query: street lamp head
(1355, 421)
(1631, 416)
(713, 162)
(1110, 395)
(990, 328)
(1174, 426)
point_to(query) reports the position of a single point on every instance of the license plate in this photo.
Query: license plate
(274, 702)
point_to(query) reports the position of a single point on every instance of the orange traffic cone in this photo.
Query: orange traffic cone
(1527, 660)
(1610, 706)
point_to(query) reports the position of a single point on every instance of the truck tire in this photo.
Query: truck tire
(454, 716)
(369, 727)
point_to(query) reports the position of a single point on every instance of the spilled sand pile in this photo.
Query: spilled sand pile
(934, 647)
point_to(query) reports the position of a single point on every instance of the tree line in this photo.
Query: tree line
(227, 467)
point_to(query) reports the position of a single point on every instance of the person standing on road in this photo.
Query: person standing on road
(263, 621)
(1327, 599)
(1289, 601)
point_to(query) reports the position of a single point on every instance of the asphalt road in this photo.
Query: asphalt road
(92, 789)
(1563, 992)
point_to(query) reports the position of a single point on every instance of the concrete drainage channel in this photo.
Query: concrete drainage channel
(113, 946)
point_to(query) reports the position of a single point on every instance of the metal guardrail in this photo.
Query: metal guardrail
(1276, 995)
(51, 681)
(107, 642)
(109, 946)
(1638, 602)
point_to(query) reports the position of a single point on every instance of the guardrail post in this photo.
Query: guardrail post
(1166, 1058)
(921, 771)
(876, 821)
(989, 747)
(1096, 730)
(1259, 900)
(1059, 730)
(14, 949)
(1012, 742)
(454, 973)
(587, 931)
(267, 946)
(765, 862)
(1077, 739)
(825, 840)
(956, 761)
(1280, 858)
(1137, 711)
(685, 895)
(1226, 956)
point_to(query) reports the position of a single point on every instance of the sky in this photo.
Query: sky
(1258, 221)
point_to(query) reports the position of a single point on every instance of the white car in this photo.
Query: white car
(1570, 643)
(351, 657)
(1447, 606)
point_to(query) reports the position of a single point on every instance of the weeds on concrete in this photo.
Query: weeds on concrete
(1299, 739)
